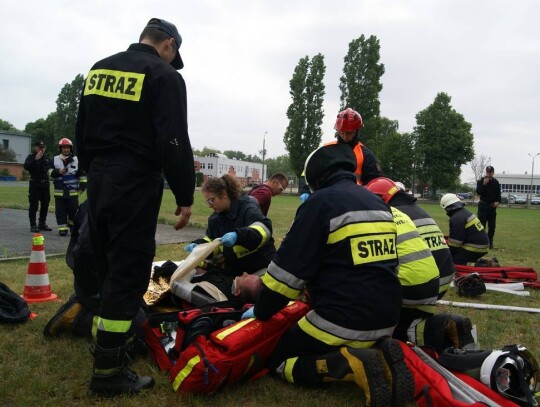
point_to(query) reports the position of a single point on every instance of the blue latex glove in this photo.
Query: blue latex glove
(249, 313)
(189, 248)
(229, 239)
(304, 196)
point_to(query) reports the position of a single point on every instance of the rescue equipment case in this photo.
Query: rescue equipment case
(208, 347)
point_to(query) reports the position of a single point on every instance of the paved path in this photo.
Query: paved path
(16, 238)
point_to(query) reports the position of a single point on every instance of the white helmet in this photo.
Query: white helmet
(449, 200)
(513, 372)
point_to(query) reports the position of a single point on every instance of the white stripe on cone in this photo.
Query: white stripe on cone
(37, 256)
(34, 280)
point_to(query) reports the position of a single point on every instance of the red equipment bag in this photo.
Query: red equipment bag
(432, 389)
(527, 275)
(212, 347)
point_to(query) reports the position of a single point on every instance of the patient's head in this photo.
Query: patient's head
(247, 287)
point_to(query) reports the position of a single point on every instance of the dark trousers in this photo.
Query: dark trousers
(65, 210)
(123, 206)
(39, 194)
(296, 343)
(488, 217)
(462, 256)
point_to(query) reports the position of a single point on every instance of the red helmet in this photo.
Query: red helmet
(384, 187)
(65, 142)
(349, 120)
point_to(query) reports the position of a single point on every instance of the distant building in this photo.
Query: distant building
(216, 165)
(519, 183)
(20, 143)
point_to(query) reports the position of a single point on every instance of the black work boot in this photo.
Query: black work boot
(397, 373)
(34, 228)
(362, 366)
(112, 377)
(62, 321)
(44, 226)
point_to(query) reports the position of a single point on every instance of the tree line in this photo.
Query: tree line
(431, 155)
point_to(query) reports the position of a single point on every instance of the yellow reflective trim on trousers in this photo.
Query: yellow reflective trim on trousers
(184, 373)
(114, 84)
(330, 339)
(364, 228)
(95, 320)
(223, 334)
(419, 330)
(111, 325)
(289, 366)
(278, 287)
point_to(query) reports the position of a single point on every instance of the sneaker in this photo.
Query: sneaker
(64, 317)
(397, 373)
(34, 229)
(44, 227)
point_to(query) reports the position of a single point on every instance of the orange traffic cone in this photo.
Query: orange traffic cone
(37, 287)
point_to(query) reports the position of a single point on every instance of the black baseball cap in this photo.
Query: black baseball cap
(39, 143)
(171, 31)
(489, 168)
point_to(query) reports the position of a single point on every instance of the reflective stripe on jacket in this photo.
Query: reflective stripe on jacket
(467, 232)
(418, 272)
(341, 248)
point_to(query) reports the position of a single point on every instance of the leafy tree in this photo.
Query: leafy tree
(205, 151)
(305, 113)
(8, 155)
(43, 129)
(253, 158)
(396, 155)
(444, 143)
(7, 126)
(279, 164)
(361, 84)
(235, 154)
(67, 105)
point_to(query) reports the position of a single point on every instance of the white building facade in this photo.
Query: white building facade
(519, 183)
(19, 143)
(216, 165)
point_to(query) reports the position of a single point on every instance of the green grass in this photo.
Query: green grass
(39, 372)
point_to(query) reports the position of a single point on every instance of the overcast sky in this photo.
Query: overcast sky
(239, 56)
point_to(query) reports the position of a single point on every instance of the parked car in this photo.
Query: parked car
(535, 200)
(465, 196)
(520, 199)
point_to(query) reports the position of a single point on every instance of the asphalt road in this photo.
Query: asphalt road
(16, 238)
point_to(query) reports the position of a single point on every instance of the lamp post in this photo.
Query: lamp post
(532, 175)
(263, 154)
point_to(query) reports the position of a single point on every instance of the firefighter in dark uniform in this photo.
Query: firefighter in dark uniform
(131, 126)
(390, 192)
(348, 125)
(416, 233)
(69, 181)
(39, 193)
(467, 238)
(341, 248)
(238, 220)
(489, 190)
